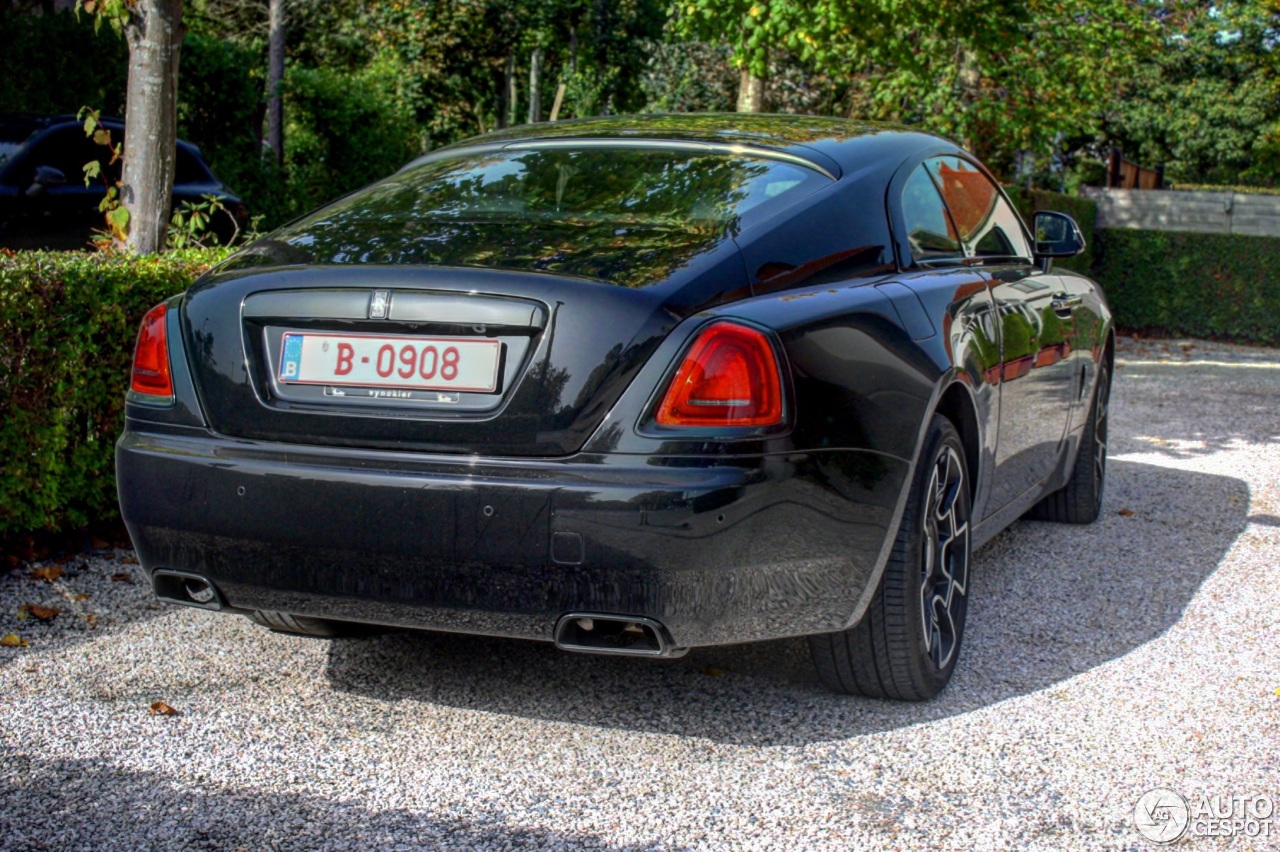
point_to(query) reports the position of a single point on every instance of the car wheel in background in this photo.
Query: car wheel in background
(906, 645)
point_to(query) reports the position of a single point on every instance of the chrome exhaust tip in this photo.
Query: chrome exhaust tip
(186, 589)
(629, 635)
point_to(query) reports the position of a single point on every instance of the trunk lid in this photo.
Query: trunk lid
(567, 341)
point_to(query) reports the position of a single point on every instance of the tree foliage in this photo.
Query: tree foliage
(1207, 102)
(1038, 89)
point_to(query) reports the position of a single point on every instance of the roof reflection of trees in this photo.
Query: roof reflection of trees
(628, 217)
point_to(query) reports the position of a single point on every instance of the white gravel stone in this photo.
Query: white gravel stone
(1100, 662)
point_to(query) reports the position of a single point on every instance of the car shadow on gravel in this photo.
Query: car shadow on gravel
(1050, 602)
(83, 804)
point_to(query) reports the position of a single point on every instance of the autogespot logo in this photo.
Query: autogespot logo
(1161, 815)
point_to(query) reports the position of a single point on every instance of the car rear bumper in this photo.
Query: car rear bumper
(717, 550)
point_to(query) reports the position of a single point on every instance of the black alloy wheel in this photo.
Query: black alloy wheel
(944, 574)
(906, 645)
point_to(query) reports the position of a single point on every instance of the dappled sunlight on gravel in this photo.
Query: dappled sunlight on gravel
(1102, 661)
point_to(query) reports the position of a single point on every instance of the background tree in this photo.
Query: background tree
(153, 30)
(1207, 101)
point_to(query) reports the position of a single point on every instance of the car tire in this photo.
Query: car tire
(300, 625)
(906, 645)
(1080, 500)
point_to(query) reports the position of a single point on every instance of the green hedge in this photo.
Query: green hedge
(67, 327)
(1083, 210)
(1223, 286)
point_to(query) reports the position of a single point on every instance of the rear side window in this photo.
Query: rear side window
(987, 225)
(930, 230)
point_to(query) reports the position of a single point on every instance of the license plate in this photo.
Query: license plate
(417, 363)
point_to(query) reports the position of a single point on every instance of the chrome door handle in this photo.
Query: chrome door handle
(1066, 303)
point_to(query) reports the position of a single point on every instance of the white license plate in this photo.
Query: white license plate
(417, 363)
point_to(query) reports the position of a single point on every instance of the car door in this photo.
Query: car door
(1036, 378)
(60, 217)
(937, 269)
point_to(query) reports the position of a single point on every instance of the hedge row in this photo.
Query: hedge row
(1222, 286)
(67, 327)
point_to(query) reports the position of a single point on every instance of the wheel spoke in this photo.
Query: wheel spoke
(945, 558)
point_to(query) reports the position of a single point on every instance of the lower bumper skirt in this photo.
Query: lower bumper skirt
(718, 551)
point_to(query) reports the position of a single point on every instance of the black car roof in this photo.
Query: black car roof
(850, 144)
(18, 127)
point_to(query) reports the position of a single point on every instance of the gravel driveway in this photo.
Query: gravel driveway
(1100, 662)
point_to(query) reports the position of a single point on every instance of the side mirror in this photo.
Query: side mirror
(1057, 235)
(45, 178)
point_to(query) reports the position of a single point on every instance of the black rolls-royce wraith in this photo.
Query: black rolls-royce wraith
(632, 386)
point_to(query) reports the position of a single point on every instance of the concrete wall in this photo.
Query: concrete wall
(1204, 212)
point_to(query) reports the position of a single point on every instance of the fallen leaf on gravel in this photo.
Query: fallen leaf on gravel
(122, 577)
(44, 613)
(128, 560)
(23, 615)
(48, 574)
(13, 640)
(91, 618)
(80, 597)
(712, 671)
(1278, 691)
(1127, 513)
(159, 708)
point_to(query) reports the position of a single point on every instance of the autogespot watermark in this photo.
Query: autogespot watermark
(1163, 815)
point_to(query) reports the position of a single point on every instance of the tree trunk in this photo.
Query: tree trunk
(535, 86)
(507, 97)
(154, 34)
(275, 80)
(504, 92)
(513, 90)
(750, 92)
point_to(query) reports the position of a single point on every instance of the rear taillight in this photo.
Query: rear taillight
(151, 357)
(730, 377)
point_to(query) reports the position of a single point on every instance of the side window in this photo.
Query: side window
(69, 150)
(929, 229)
(985, 221)
(188, 169)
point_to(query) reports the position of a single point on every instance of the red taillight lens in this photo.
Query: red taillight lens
(151, 356)
(729, 378)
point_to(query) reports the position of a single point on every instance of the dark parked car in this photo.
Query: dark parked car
(44, 202)
(631, 385)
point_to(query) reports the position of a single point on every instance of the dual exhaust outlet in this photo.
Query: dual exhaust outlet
(585, 632)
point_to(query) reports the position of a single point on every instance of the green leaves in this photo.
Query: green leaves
(1220, 286)
(118, 219)
(115, 12)
(1207, 104)
(68, 322)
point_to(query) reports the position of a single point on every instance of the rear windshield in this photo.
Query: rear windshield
(626, 185)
